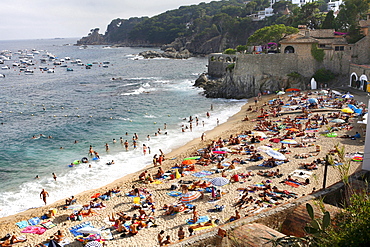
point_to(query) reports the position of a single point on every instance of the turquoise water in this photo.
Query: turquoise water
(87, 106)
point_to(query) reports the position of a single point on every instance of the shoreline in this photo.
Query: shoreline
(233, 125)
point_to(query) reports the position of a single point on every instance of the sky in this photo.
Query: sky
(43, 19)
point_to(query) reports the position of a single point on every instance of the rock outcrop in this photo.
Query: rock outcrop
(168, 53)
(247, 86)
(93, 38)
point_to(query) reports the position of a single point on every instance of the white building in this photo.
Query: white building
(334, 5)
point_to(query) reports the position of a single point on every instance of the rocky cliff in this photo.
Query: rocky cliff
(93, 38)
(247, 86)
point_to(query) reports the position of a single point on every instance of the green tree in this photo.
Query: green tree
(329, 22)
(309, 15)
(272, 33)
(230, 51)
(351, 12)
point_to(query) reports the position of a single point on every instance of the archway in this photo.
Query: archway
(228, 59)
(289, 49)
(220, 58)
(363, 79)
(353, 80)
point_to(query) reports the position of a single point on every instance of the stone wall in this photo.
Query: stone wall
(218, 62)
(361, 51)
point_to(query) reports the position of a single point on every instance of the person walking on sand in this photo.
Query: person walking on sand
(43, 195)
(54, 176)
(202, 138)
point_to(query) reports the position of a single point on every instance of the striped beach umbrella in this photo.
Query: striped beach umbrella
(94, 244)
(347, 96)
(190, 196)
(288, 141)
(219, 181)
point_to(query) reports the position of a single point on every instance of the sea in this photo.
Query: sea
(49, 120)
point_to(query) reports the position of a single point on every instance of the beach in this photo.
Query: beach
(230, 192)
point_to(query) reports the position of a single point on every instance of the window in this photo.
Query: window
(321, 46)
(339, 48)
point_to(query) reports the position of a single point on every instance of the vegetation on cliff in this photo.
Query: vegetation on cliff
(215, 26)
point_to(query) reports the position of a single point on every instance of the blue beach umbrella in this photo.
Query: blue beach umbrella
(312, 101)
(347, 96)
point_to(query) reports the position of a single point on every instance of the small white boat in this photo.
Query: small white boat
(105, 66)
(5, 67)
(1, 61)
(67, 58)
(51, 71)
(28, 72)
(106, 62)
(15, 64)
(2, 76)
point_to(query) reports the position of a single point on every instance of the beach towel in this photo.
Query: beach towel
(204, 227)
(198, 175)
(22, 224)
(291, 184)
(106, 234)
(34, 229)
(174, 193)
(48, 224)
(129, 195)
(34, 221)
(202, 219)
(74, 207)
(74, 229)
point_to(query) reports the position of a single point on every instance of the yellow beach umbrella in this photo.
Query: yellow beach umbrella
(347, 110)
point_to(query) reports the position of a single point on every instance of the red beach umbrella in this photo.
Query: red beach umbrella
(189, 162)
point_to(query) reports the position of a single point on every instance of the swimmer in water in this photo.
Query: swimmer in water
(37, 177)
(54, 176)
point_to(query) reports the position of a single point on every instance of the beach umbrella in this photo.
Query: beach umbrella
(312, 101)
(347, 110)
(280, 93)
(219, 152)
(336, 92)
(292, 90)
(219, 181)
(190, 196)
(189, 162)
(96, 195)
(53, 243)
(288, 141)
(275, 154)
(347, 96)
(89, 229)
(337, 120)
(94, 244)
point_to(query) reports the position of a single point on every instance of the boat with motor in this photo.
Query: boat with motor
(69, 69)
(5, 67)
(28, 72)
(2, 76)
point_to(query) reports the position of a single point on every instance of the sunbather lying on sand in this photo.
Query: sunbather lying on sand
(10, 240)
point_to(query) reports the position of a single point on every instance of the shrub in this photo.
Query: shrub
(323, 75)
(295, 75)
(317, 53)
(230, 51)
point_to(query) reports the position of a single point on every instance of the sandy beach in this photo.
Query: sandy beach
(230, 193)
